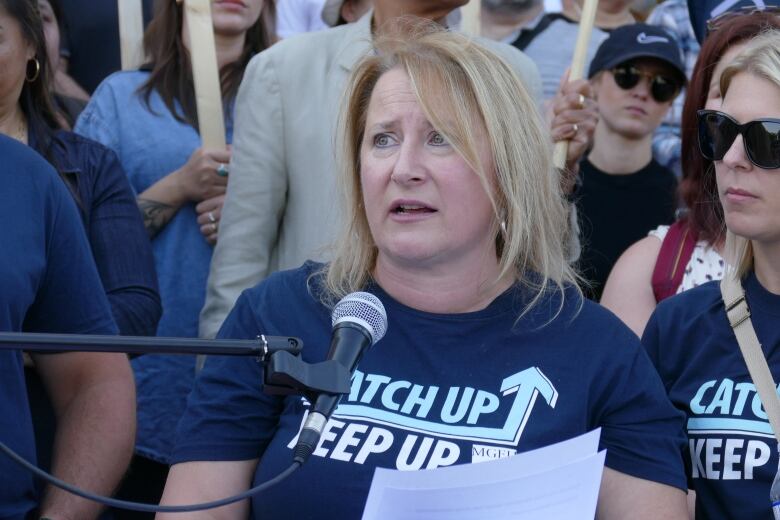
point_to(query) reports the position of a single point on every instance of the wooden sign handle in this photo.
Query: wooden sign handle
(470, 22)
(577, 67)
(131, 33)
(205, 73)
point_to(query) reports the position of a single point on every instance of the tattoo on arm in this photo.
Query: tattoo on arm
(156, 215)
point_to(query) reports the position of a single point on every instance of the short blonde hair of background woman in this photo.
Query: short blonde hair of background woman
(464, 90)
(761, 58)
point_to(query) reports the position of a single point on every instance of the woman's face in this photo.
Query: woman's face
(235, 17)
(424, 204)
(750, 195)
(51, 31)
(713, 92)
(15, 52)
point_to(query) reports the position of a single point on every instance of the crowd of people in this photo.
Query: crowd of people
(374, 147)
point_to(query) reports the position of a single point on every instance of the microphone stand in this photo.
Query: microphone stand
(262, 347)
(284, 371)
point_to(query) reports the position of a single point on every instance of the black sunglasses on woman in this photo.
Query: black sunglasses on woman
(761, 138)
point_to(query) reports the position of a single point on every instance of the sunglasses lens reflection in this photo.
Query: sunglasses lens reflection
(717, 133)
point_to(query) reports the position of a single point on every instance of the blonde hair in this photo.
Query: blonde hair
(459, 82)
(760, 58)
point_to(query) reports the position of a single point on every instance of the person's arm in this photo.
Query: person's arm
(623, 496)
(256, 195)
(94, 398)
(195, 181)
(629, 289)
(121, 248)
(193, 482)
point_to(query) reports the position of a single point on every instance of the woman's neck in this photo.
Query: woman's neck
(616, 155)
(766, 264)
(13, 123)
(229, 48)
(441, 290)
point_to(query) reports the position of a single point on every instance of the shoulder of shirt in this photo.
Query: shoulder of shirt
(22, 162)
(577, 313)
(78, 152)
(692, 303)
(289, 281)
(122, 81)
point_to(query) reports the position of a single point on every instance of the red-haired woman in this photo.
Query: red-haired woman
(642, 276)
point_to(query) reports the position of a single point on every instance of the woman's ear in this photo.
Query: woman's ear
(29, 51)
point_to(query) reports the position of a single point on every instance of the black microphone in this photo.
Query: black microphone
(359, 321)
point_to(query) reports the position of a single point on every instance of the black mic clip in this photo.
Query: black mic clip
(287, 374)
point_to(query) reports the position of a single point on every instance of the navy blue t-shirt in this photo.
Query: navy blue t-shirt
(48, 283)
(437, 390)
(732, 452)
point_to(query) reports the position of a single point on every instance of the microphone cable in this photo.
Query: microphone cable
(146, 508)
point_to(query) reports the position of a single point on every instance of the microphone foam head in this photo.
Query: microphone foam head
(363, 309)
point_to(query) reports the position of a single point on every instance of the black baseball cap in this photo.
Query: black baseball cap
(638, 40)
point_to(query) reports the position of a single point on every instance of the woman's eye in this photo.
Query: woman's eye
(437, 139)
(382, 140)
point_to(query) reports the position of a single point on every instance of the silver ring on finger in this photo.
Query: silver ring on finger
(222, 170)
(575, 127)
(581, 101)
(211, 216)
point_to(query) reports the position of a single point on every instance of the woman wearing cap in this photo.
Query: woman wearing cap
(732, 448)
(672, 260)
(636, 74)
(149, 118)
(456, 221)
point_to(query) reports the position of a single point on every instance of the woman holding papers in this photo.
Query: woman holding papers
(149, 118)
(732, 446)
(456, 222)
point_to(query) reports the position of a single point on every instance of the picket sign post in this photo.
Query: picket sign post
(470, 18)
(205, 73)
(131, 33)
(577, 69)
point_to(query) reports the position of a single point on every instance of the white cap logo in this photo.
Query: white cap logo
(645, 39)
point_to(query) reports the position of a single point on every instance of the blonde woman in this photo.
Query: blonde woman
(732, 448)
(456, 222)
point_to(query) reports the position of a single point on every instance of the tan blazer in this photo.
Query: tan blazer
(282, 202)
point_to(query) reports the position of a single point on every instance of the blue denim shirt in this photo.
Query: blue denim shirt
(151, 144)
(119, 242)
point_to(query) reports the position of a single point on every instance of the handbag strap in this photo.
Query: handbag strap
(673, 257)
(739, 318)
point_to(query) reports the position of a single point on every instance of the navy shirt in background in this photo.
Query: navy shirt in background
(437, 390)
(732, 452)
(91, 39)
(48, 283)
(120, 244)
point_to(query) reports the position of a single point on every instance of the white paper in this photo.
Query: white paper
(560, 481)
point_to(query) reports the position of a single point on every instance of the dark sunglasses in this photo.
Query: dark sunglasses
(761, 137)
(663, 88)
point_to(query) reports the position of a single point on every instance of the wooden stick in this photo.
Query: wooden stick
(131, 33)
(205, 73)
(577, 67)
(470, 22)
